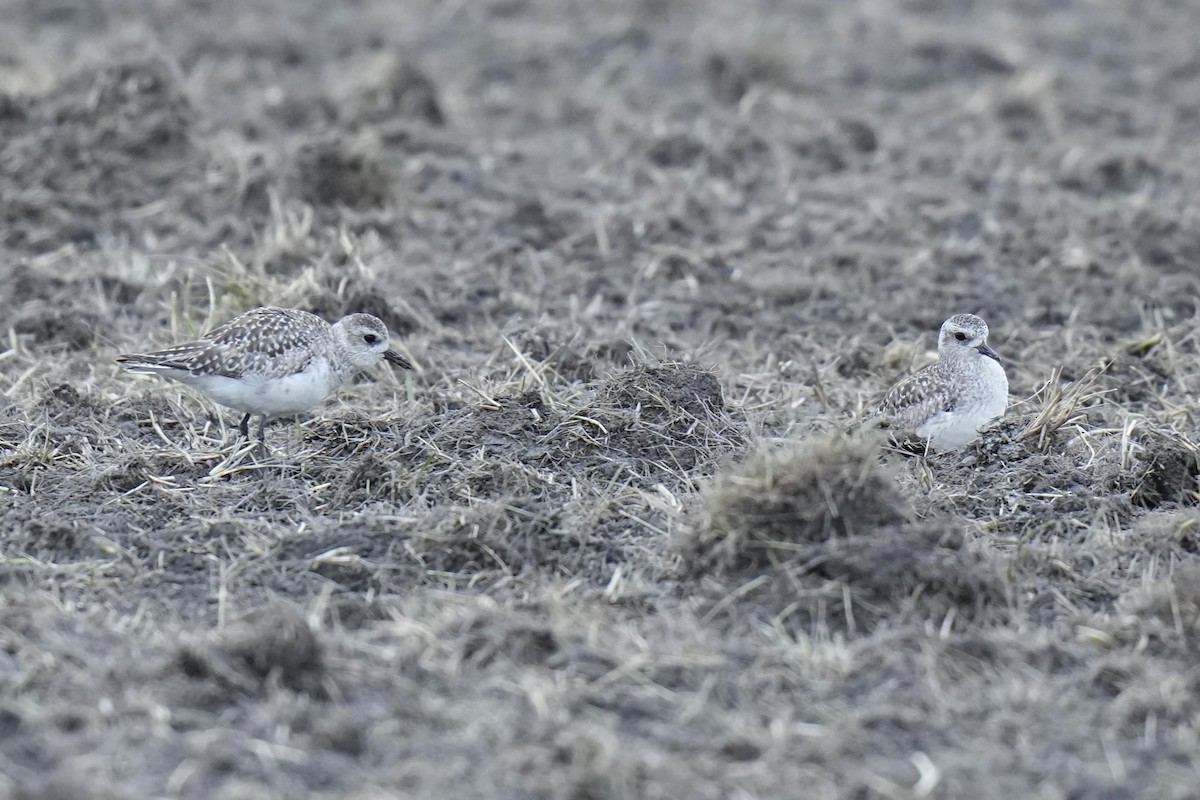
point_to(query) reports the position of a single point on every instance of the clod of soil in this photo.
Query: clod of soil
(334, 172)
(1168, 470)
(676, 150)
(404, 91)
(50, 326)
(273, 643)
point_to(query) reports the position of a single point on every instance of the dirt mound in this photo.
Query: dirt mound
(674, 414)
(496, 481)
(757, 514)
(819, 529)
(1167, 469)
(79, 161)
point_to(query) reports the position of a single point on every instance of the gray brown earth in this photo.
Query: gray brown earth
(610, 540)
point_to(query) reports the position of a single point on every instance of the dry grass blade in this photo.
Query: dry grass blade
(489, 402)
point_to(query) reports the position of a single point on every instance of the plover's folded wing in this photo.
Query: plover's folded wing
(917, 398)
(261, 341)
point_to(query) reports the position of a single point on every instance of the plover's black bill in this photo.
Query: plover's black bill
(392, 357)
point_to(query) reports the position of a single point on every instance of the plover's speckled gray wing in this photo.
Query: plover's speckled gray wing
(918, 397)
(267, 342)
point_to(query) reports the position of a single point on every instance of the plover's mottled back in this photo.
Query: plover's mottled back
(272, 361)
(948, 402)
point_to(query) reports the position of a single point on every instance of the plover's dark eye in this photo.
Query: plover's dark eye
(370, 338)
(962, 337)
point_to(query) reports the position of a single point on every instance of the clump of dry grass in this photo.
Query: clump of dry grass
(782, 498)
(510, 535)
(1062, 406)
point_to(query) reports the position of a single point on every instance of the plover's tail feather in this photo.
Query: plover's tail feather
(146, 364)
(180, 358)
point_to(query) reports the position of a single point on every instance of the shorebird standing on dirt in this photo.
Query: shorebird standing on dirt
(948, 402)
(272, 361)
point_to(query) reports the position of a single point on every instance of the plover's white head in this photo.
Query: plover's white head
(363, 342)
(964, 336)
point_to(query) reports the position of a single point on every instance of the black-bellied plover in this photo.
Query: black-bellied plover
(947, 403)
(272, 361)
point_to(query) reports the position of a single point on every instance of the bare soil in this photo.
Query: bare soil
(618, 536)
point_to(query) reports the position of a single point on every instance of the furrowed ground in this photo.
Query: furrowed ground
(617, 536)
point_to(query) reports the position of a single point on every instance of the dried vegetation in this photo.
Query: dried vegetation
(609, 539)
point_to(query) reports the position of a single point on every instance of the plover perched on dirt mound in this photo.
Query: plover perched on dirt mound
(948, 402)
(272, 361)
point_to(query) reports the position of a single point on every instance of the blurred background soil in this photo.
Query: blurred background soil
(652, 258)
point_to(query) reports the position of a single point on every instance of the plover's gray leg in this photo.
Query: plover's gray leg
(245, 427)
(260, 449)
